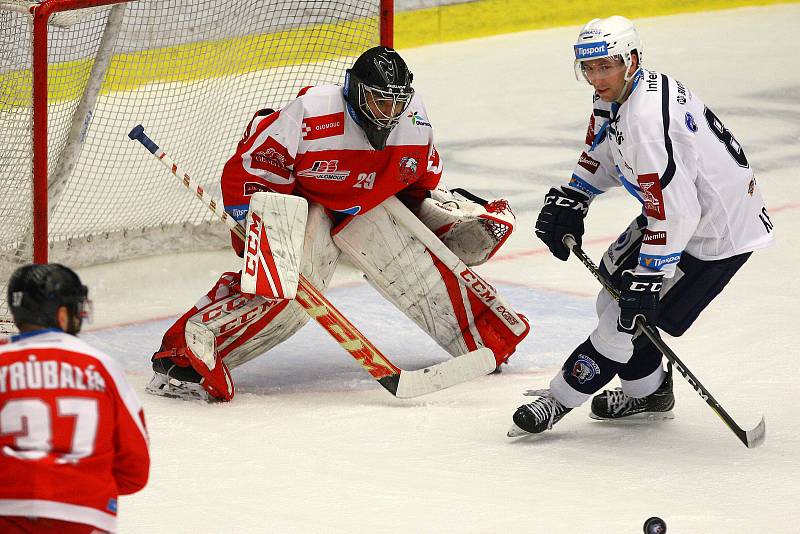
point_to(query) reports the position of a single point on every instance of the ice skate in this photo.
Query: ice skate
(615, 404)
(538, 416)
(173, 381)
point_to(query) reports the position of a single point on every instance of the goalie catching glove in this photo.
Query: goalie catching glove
(472, 228)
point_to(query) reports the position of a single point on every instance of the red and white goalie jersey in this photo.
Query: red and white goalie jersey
(72, 431)
(314, 148)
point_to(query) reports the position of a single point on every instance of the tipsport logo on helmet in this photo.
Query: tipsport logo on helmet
(591, 50)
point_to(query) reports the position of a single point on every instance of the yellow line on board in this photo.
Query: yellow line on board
(208, 59)
(241, 55)
(483, 18)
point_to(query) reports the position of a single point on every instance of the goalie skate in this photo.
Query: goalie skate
(614, 404)
(176, 382)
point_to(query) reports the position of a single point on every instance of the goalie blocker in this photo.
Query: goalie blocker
(229, 327)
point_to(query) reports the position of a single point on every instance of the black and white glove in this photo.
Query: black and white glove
(638, 298)
(563, 213)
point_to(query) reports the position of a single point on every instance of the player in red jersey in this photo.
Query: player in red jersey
(72, 432)
(348, 151)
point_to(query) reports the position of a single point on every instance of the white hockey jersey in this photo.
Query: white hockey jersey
(676, 157)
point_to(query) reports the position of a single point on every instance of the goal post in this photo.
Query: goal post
(80, 73)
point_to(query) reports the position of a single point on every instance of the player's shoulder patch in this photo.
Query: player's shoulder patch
(321, 126)
(323, 112)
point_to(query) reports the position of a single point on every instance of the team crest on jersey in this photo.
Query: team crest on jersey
(585, 369)
(269, 158)
(325, 170)
(689, 120)
(323, 126)
(652, 196)
(408, 168)
(418, 120)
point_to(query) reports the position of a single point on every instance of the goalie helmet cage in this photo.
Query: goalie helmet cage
(76, 75)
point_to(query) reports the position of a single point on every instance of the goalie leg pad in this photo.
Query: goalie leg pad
(216, 379)
(274, 244)
(412, 278)
(473, 231)
(227, 328)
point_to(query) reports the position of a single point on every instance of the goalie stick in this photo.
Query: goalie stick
(399, 382)
(750, 438)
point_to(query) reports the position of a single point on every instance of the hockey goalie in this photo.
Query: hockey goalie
(342, 171)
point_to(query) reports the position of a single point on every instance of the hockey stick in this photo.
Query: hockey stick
(399, 382)
(750, 438)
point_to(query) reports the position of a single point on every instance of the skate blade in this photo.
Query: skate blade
(642, 416)
(515, 432)
(161, 387)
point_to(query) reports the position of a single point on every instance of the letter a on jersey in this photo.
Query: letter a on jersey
(274, 245)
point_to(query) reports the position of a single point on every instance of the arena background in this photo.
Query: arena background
(312, 444)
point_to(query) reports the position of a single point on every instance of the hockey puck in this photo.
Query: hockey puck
(655, 525)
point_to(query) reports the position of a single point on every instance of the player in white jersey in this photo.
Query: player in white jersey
(363, 157)
(702, 216)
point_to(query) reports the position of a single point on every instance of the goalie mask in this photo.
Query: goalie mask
(614, 38)
(36, 292)
(378, 90)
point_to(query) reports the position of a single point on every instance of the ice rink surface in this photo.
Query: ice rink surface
(312, 444)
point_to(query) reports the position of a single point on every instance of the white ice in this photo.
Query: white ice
(312, 444)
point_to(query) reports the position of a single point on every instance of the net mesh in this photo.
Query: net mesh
(193, 72)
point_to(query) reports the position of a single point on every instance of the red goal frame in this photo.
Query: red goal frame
(41, 14)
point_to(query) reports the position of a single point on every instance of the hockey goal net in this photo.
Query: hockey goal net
(77, 75)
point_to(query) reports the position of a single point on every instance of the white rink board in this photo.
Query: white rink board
(312, 444)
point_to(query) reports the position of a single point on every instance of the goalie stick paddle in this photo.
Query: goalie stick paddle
(399, 382)
(751, 438)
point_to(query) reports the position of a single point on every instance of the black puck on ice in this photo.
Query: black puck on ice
(655, 525)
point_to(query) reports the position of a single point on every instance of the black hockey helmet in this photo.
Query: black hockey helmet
(37, 291)
(378, 91)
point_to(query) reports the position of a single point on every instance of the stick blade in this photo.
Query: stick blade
(445, 374)
(756, 436)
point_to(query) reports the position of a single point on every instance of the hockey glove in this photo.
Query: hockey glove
(562, 214)
(638, 298)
